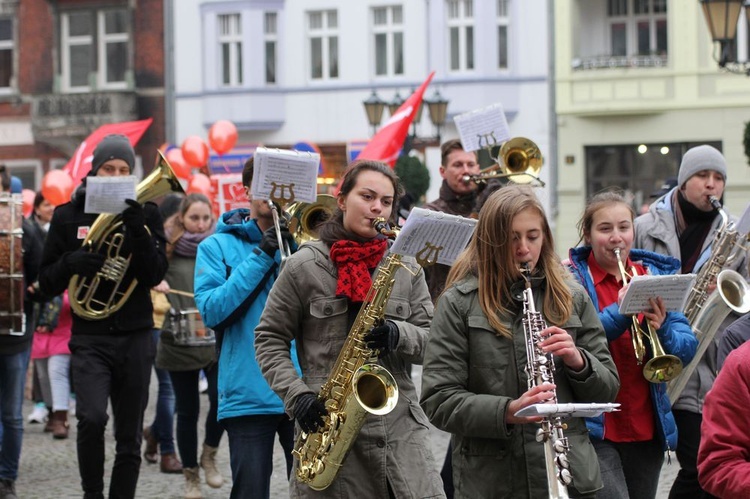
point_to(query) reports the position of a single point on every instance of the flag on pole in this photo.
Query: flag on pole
(386, 145)
(80, 164)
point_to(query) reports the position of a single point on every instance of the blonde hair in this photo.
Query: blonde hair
(489, 257)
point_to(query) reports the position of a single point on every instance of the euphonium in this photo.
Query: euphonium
(705, 312)
(104, 294)
(356, 386)
(662, 366)
(540, 368)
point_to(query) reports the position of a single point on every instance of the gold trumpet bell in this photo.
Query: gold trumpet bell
(663, 368)
(522, 160)
(306, 218)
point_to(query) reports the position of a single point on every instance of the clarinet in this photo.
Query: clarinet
(540, 369)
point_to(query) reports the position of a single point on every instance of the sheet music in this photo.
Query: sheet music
(108, 194)
(577, 410)
(673, 289)
(295, 174)
(482, 127)
(434, 234)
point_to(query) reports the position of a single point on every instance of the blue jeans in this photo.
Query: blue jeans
(629, 469)
(12, 379)
(251, 441)
(163, 426)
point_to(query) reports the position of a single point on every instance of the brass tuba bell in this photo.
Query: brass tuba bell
(519, 160)
(104, 294)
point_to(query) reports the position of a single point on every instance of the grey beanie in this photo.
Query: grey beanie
(113, 146)
(701, 158)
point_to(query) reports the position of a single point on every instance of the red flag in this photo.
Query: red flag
(80, 164)
(386, 145)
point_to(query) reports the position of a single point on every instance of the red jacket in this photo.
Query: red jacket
(724, 454)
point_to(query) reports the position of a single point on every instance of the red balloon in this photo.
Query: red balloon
(199, 184)
(178, 163)
(28, 201)
(57, 186)
(195, 151)
(222, 136)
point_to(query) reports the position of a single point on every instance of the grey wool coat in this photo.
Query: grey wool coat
(471, 374)
(302, 306)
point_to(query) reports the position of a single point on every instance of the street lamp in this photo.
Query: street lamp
(721, 18)
(374, 107)
(395, 103)
(438, 107)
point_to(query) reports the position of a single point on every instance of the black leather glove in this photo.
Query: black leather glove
(84, 263)
(270, 243)
(309, 412)
(383, 338)
(133, 218)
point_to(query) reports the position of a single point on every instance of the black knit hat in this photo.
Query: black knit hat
(113, 146)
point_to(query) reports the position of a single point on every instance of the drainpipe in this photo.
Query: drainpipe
(169, 104)
(553, 171)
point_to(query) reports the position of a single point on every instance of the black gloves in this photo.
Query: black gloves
(270, 243)
(84, 263)
(309, 412)
(133, 218)
(383, 338)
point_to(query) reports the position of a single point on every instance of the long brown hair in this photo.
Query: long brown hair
(173, 226)
(333, 229)
(489, 257)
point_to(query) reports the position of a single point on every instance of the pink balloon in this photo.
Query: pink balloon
(28, 201)
(200, 184)
(178, 163)
(195, 151)
(222, 136)
(57, 186)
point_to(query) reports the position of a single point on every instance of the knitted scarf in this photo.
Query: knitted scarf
(186, 244)
(692, 225)
(354, 261)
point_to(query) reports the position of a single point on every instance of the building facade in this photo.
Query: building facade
(69, 66)
(636, 86)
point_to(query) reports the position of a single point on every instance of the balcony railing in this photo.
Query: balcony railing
(614, 61)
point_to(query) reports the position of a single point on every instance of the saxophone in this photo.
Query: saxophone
(540, 369)
(705, 312)
(356, 386)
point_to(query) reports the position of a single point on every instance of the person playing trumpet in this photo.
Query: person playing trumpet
(630, 444)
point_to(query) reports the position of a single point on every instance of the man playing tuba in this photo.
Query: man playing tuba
(112, 353)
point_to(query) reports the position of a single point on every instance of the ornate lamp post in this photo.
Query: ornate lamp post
(374, 107)
(721, 18)
(438, 108)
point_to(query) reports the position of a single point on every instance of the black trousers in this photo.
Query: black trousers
(117, 368)
(686, 484)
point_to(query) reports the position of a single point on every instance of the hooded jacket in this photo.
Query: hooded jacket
(675, 335)
(655, 231)
(232, 280)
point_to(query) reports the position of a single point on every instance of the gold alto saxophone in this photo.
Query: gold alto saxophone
(356, 386)
(540, 368)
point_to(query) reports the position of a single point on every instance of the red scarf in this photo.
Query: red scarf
(354, 260)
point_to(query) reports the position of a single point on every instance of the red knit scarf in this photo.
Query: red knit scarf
(354, 260)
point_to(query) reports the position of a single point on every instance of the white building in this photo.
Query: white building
(290, 71)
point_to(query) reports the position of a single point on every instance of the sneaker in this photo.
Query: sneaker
(39, 414)
(7, 489)
(203, 385)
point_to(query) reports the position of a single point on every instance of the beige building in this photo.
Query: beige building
(636, 86)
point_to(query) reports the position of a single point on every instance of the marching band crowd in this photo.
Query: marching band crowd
(313, 343)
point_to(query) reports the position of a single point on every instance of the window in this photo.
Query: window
(95, 49)
(387, 27)
(322, 32)
(503, 19)
(270, 39)
(230, 47)
(7, 45)
(637, 27)
(461, 35)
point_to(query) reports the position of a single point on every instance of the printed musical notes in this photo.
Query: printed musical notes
(432, 236)
(482, 128)
(285, 176)
(673, 290)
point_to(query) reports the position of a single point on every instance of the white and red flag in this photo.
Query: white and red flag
(80, 164)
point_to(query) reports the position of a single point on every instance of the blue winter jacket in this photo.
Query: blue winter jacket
(675, 334)
(232, 280)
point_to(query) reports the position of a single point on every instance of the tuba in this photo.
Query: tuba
(104, 294)
(357, 386)
(662, 366)
(519, 159)
(705, 312)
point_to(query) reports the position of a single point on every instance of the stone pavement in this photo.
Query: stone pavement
(49, 467)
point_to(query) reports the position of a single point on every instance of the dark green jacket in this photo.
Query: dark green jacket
(470, 376)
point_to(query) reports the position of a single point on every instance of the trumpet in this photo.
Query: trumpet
(662, 367)
(519, 159)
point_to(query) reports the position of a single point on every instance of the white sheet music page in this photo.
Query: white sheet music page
(108, 194)
(673, 290)
(482, 127)
(434, 236)
(286, 175)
